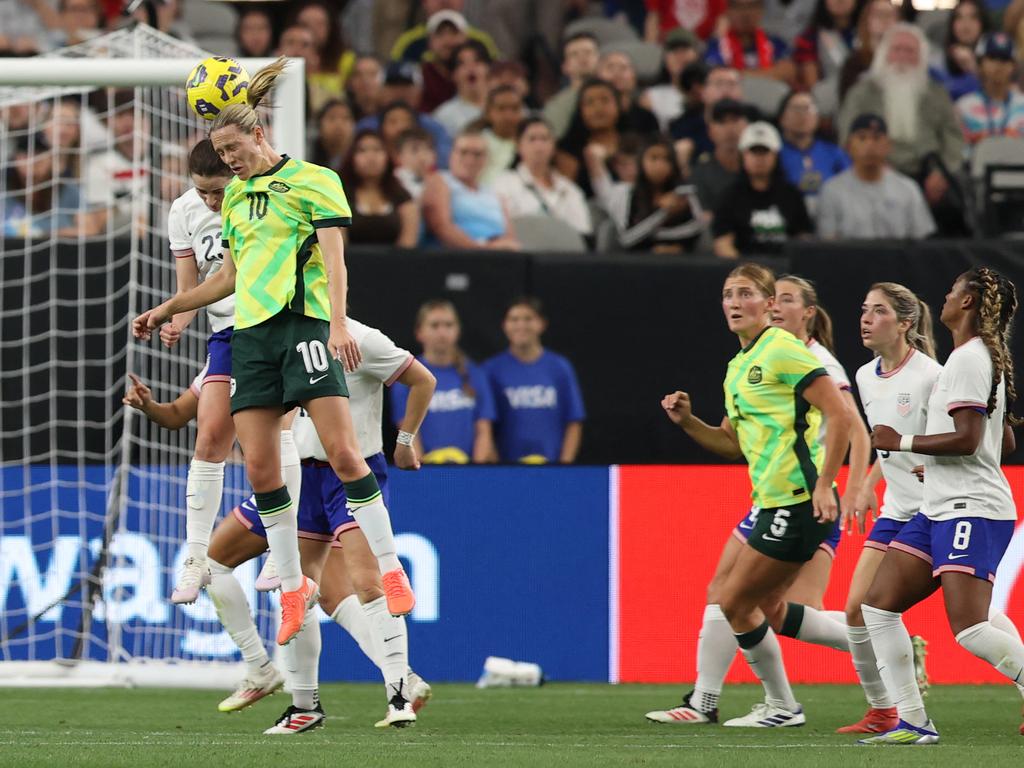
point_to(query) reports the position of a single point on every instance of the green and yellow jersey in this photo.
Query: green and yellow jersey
(269, 222)
(777, 428)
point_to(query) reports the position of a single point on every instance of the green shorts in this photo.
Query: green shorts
(282, 362)
(790, 533)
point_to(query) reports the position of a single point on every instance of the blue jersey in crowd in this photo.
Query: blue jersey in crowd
(809, 169)
(535, 403)
(448, 429)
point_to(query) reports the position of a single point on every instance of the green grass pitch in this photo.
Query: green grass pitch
(559, 725)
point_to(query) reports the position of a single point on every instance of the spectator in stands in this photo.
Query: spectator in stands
(956, 65)
(665, 16)
(665, 99)
(692, 126)
(747, 47)
(446, 33)
(79, 20)
(502, 116)
(334, 60)
(459, 426)
(23, 27)
(539, 403)
(416, 159)
(458, 210)
(110, 177)
(927, 143)
(469, 73)
(297, 42)
(871, 200)
(807, 160)
(39, 196)
(820, 52)
(997, 107)
(415, 45)
(786, 19)
(534, 187)
(254, 34)
(335, 129)
(397, 117)
(63, 133)
(365, 88)
(383, 213)
(761, 211)
(513, 74)
(716, 171)
(165, 16)
(580, 56)
(623, 164)
(656, 213)
(877, 17)
(598, 118)
(617, 68)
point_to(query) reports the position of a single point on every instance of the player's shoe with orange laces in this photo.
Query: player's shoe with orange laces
(398, 592)
(294, 605)
(875, 721)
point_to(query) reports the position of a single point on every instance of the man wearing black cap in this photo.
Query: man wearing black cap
(717, 170)
(997, 108)
(870, 200)
(720, 82)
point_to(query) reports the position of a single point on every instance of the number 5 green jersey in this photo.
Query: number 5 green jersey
(776, 427)
(269, 223)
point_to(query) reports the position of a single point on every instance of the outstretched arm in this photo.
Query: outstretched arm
(168, 415)
(721, 439)
(218, 287)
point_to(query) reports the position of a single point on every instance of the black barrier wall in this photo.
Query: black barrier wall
(636, 327)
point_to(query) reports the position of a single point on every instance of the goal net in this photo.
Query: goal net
(93, 146)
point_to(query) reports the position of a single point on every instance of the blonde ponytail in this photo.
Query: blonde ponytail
(244, 116)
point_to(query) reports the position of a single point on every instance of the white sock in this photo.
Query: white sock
(392, 643)
(1002, 622)
(351, 617)
(283, 539)
(302, 661)
(821, 629)
(839, 616)
(291, 465)
(895, 654)
(233, 612)
(997, 647)
(866, 666)
(203, 491)
(375, 523)
(716, 648)
(760, 647)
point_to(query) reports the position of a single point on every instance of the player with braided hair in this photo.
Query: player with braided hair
(967, 516)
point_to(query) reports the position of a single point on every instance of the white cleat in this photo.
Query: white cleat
(685, 713)
(194, 576)
(251, 690)
(268, 580)
(294, 720)
(420, 691)
(399, 715)
(768, 716)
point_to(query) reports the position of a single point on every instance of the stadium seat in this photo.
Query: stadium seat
(606, 237)
(209, 19)
(934, 24)
(997, 172)
(826, 95)
(605, 30)
(646, 58)
(544, 233)
(764, 93)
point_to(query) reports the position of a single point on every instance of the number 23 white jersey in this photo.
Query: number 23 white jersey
(194, 232)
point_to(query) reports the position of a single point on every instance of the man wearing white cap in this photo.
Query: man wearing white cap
(413, 45)
(761, 211)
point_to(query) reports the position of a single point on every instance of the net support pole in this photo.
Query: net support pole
(289, 93)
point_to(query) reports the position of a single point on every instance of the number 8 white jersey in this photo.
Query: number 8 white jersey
(194, 232)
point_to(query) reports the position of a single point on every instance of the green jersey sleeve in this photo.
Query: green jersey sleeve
(794, 365)
(326, 202)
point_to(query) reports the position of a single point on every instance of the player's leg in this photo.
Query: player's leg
(268, 579)
(301, 656)
(1003, 623)
(799, 612)
(903, 579)
(333, 423)
(259, 430)
(205, 484)
(238, 539)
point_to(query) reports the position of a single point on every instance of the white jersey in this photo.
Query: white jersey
(834, 370)
(383, 362)
(899, 399)
(967, 486)
(194, 232)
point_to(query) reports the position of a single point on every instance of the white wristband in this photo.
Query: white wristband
(907, 443)
(405, 438)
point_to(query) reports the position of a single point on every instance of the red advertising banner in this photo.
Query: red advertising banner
(672, 523)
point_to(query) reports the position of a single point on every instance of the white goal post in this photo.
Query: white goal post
(91, 493)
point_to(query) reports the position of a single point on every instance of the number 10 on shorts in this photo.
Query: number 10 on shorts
(314, 356)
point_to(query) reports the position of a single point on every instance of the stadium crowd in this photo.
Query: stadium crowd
(732, 126)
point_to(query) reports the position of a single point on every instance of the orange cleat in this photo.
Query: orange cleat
(293, 609)
(398, 592)
(875, 721)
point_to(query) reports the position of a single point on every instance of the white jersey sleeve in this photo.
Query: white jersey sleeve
(899, 399)
(177, 230)
(967, 486)
(831, 365)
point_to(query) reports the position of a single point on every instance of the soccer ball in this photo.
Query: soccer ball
(214, 84)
